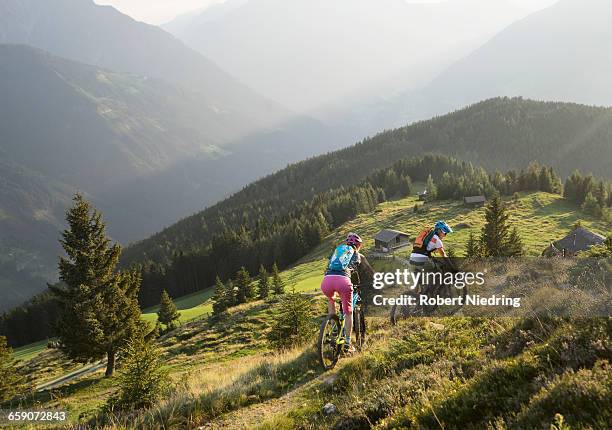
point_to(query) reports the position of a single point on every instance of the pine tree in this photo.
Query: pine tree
(601, 194)
(514, 246)
(167, 313)
(405, 186)
(557, 186)
(432, 190)
(157, 331)
(545, 180)
(495, 231)
(230, 294)
(220, 299)
(11, 382)
(142, 379)
(591, 205)
(278, 286)
(472, 248)
(98, 307)
(245, 288)
(263, 286)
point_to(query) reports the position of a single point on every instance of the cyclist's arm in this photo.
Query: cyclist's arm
(440, 251)
(436, 246)
(365, 265)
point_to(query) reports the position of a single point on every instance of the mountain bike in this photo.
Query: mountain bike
(332, 337)
(404, 311)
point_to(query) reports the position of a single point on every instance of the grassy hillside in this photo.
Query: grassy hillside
(229, 377)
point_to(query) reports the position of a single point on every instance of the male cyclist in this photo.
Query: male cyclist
(428, 242)
(345, 259)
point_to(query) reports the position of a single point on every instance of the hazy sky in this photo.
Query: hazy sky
(161, 11)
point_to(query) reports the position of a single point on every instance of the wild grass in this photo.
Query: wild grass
(218, 389)
(458, 378)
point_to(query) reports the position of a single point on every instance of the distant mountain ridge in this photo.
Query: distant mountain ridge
(308, 53)
(87, 119)
(560, 53)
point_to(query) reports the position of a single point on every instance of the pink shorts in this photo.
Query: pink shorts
(339, 284)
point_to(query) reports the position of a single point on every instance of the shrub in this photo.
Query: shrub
(10, 380)
(142, 379)
(294, 323)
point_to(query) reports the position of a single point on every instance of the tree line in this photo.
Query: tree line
(593, 195)
(241, 288)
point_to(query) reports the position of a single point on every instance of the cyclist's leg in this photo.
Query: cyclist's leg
(345, 289)
(416, 267)
(328, 288)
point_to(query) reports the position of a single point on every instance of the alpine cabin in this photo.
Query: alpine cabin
(387, 240)
(474, 201)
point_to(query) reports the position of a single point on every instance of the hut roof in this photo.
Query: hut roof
(475, 199)
(580, 239)
(387, 235)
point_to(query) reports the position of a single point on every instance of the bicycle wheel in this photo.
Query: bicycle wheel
(359, 327)
(399, 312)
(328, 348)
(452, 292)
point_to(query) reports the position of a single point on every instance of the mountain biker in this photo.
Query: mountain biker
(344, 260)
(428, 242)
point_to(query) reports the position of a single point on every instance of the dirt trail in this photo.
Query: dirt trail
(253, 415)
(79, 373)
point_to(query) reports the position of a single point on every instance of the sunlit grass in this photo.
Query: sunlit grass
(30, 351)
(190, 307)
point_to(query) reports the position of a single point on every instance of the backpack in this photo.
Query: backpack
(341, 258)
(422, 240)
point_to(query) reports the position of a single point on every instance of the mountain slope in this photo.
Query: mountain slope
(499, 134)
(31, 212)
(147, 152)
(100, 35)
(87, 119)
(308, 53)
(560, 53)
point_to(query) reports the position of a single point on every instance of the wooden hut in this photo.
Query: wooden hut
(387, 240)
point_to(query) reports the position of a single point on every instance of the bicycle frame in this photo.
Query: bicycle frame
(341, 337)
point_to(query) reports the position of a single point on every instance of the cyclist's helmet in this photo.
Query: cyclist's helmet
(443, 227)
(353, 239)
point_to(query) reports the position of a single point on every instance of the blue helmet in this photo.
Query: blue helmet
(443, 226)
